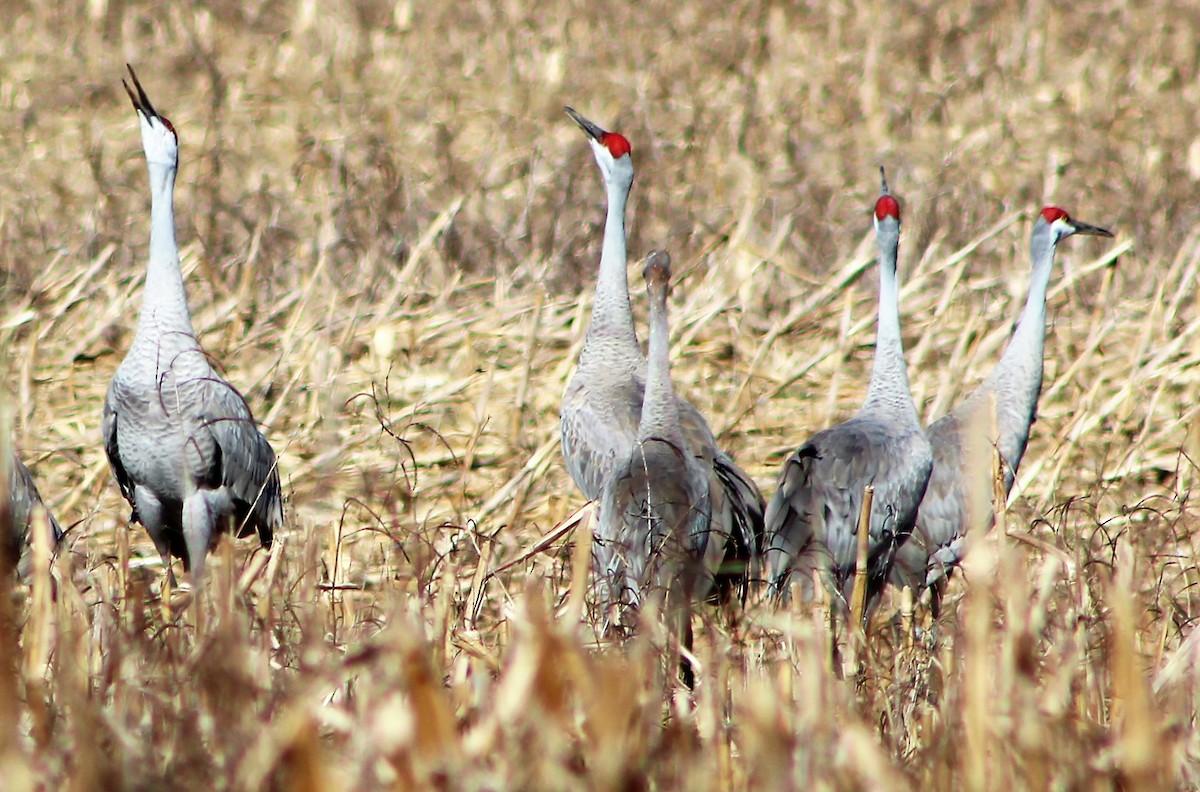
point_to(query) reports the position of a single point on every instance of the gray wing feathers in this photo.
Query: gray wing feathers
(599, 425)
(248, 464)
(737, 522)
(939, 538)
(942, 510)
(653, 527)
(696, 432)
(23, 498)
(792, 519)
(108, 429)
(817, 504)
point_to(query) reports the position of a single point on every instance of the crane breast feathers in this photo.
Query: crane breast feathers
(656, 480)
(697, 434)
(592, 445)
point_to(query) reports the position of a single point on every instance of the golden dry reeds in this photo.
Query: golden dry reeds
(390, 234)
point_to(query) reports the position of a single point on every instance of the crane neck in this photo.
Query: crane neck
(1016, 382)
(611, 332)
(164, 301)
(660, 412)
(1042, 248)
(1031, 327)
(1021, 363)
(889, 389)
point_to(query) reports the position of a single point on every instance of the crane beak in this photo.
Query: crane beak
(141, 102)
(593, 131)
(1090, 230)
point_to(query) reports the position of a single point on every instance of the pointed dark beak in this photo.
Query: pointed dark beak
(1090, 230)
(593, 131)
(141, 102)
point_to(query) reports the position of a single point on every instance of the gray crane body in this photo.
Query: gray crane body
(181, 441)
(1012, 389)
(812, 520)
(602, 404)
(820, 496)
(652, 534)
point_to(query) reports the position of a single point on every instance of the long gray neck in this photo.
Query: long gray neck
(660, 412)
(611, 338)
(889, 391)
(1016, 382)
(164, 301)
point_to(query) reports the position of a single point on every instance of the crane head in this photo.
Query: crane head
(887, 225)
(886, 207)
(1063, 226)
(657, 270)
(887, 216)
(617, 144)
(159, 139)
(611, 149)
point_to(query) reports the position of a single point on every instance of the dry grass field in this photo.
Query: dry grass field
(390, 235)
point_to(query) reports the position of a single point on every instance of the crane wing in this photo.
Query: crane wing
(737, 505)
(248, 467)
(820, 495)
(108, 429)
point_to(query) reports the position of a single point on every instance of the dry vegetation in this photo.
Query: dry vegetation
(390, 235)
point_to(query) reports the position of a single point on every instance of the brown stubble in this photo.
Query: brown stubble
(390, 233)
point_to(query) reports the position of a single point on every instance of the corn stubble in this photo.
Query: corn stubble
(393, 255)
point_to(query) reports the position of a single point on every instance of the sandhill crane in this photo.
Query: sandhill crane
(812, 520)
(653, 528)
(181, 441)
(602, 404)
(23, 497)
(938, 541)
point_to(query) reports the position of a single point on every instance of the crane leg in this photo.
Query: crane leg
(149, 511)
(936, 592)
(198, 522)
(835, 654)
(678, 608)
